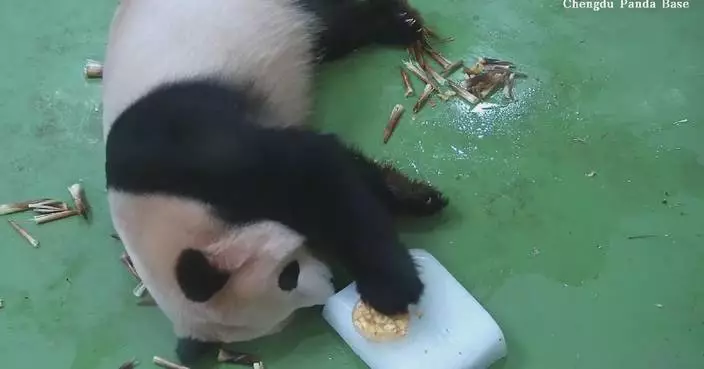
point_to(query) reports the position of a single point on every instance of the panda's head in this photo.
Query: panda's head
(216, 281)
(260, 263)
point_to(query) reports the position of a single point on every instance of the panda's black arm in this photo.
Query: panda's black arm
(338, 210)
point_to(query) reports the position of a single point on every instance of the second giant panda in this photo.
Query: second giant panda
(226, 203)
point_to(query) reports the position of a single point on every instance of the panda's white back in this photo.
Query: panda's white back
(269, 43)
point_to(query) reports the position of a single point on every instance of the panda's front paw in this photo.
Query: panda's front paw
(391, 296)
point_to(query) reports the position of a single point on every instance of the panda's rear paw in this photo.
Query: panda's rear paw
(403, 25)
(410, 197)
(391, 296)
(189, 351)
(423, 200)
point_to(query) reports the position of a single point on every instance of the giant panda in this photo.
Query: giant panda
(230, 208)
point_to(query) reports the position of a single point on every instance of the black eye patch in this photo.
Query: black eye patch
(288, 279)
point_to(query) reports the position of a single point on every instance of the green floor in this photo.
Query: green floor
(544, 247)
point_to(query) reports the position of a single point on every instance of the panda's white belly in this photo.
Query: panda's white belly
(267, 42)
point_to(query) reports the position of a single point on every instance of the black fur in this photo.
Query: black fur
(189, 350)
(288, 279)
(352, 24)
(201, 140)
(196, 277)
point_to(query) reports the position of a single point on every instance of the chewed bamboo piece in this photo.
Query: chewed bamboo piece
(130, 364)
(22, 232)
(237, 358)
(489, 74)
(93, 69)
(18, 206)
(146, 300)
(427, 92)
(437, 77)
(79, 199)
(417, 71)
(167, 364)
(393, 121)
(41, 219)
(452, 68)
(406, 83)
(139, 290)
(125, 259)
(508, 87)
(439, 58)
(48, 207)
(461, 92)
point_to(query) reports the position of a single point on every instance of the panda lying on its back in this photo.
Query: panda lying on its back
(214, 186)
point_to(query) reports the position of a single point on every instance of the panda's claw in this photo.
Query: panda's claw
(412, 197)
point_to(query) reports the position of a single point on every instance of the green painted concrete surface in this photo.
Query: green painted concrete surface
(542, 246)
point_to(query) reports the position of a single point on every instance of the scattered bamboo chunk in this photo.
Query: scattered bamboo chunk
(45, 202)
(139, 290)
(130, 364)
(427, 92)
(79, 199)
(433, 78)
(417, 71)
(146, 300)
(41, 219)
(429, 77)
(461, 92)
(237, 358)
(125, 259)
(2, 304)
(437, 77)
(406, 83)
(48, 209)
(393, 121)
(439, 58)
(32, 241)
(93, 69)
(18, 206)
(452, 68)
(487, 75)
(167, 364)
(508, 87)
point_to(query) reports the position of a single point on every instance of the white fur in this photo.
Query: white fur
(156, 41)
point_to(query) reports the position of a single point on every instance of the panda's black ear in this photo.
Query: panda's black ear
(198, 279)
(288, 279)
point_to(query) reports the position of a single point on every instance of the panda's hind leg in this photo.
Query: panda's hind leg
(401, 194)
(349, 25)
(189, 350)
